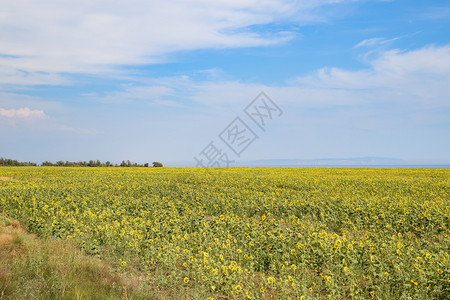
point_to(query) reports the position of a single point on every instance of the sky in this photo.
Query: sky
(180, 82)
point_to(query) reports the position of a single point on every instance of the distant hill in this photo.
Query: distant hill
(363, 162)
(323, 162)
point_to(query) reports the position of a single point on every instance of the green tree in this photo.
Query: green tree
(157, 164)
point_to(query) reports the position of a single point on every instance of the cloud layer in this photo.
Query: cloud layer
(23, 113)
(52, 36)
(418, 77)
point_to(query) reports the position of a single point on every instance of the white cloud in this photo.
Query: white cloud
(11, 76)
(94, 36)
(374, 42)
(422, 73)
(24, 113)
(419, 76)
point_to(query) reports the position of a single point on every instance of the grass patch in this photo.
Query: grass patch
(51, 268)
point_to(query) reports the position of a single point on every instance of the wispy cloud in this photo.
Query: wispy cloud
(405, 71)
(94, 37)
(395, 76)
(374, 42)
(11, 75)
(24, 113)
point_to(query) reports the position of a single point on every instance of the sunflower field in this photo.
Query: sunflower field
(250, 233)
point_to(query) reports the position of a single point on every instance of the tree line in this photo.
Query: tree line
(91, 163)
(13, 162)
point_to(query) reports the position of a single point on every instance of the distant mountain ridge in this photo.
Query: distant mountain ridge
(355, 161)
(362, 162)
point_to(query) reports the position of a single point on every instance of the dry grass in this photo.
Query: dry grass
(38, 268)
(5, 238)
(8, 179)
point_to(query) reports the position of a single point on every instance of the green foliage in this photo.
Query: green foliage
(13, 162)
(157, 164)
(260, 233)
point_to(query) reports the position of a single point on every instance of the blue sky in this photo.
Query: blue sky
(153, 80)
